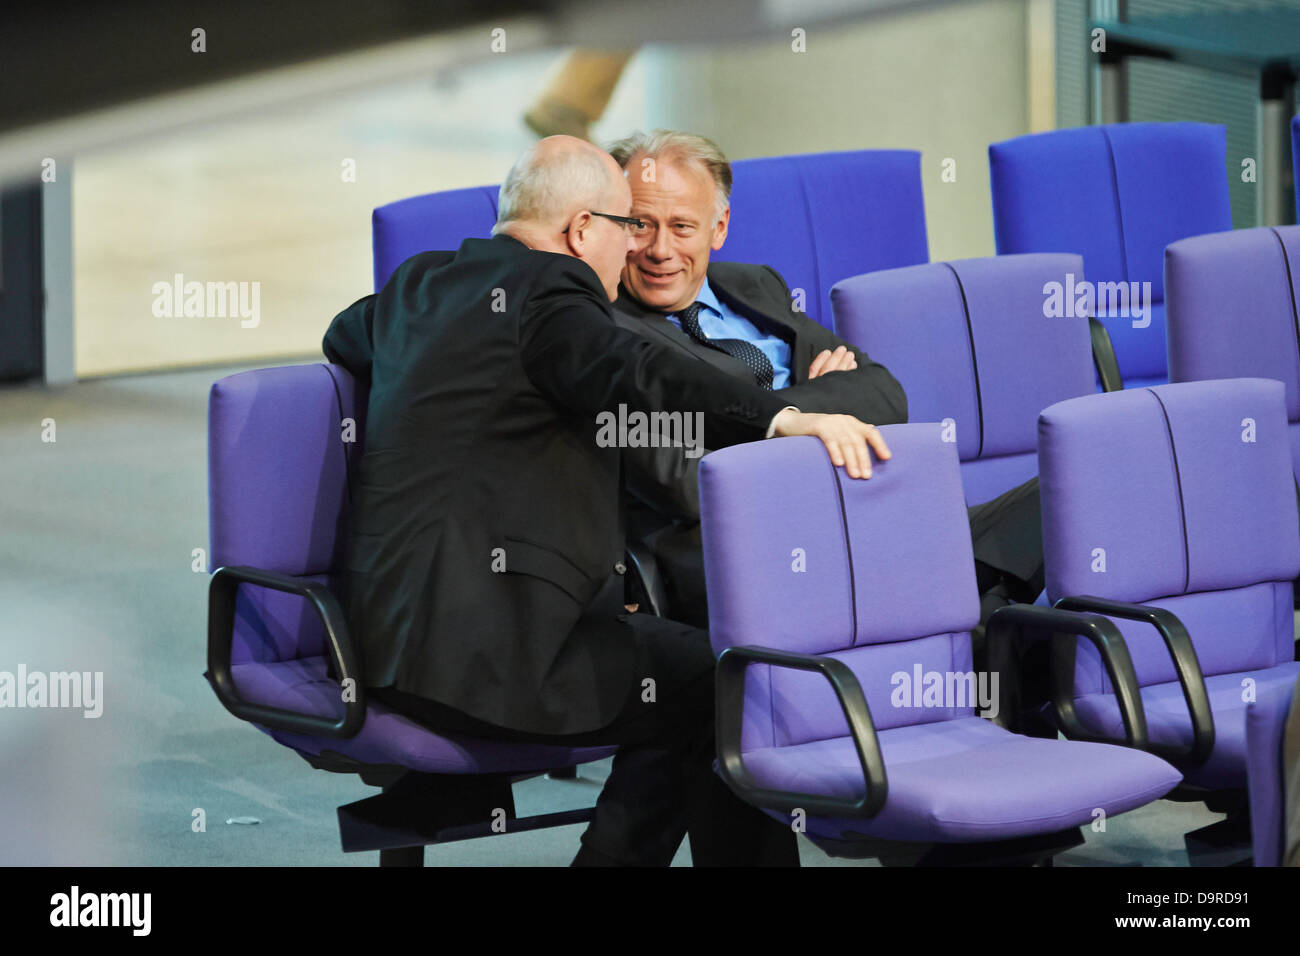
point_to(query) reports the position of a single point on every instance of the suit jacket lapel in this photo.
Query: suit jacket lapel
(750, 300)
(656, 327)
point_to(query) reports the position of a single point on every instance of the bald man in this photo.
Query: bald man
(485, 561)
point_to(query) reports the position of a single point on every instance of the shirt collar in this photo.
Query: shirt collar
(706, 298)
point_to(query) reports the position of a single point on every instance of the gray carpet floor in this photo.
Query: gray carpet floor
(97, 536)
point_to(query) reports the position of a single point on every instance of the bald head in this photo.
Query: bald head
(549, 199)
(554, 179)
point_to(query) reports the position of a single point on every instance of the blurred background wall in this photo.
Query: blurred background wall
(265, 198)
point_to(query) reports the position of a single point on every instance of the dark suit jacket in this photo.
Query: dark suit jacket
(483, 560)
(663, 483)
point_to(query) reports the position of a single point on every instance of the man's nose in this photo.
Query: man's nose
(661, 248)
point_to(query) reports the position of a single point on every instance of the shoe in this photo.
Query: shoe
(553, 118)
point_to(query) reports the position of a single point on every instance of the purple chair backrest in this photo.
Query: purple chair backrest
(1117, 195)
(278, 494)
(974, 346)
(823, 217)
(428, 223)
(1231, 307)
(1180, 496)
(816, 219)
(877, 573)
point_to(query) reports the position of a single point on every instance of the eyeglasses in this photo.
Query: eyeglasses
(627, 221)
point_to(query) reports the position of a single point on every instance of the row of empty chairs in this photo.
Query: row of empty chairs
(1174, 574)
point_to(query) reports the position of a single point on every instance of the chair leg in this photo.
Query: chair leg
(402, 856)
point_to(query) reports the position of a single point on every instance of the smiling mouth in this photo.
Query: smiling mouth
(658, 276)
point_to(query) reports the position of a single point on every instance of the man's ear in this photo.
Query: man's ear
(577, 232)
(720, 230)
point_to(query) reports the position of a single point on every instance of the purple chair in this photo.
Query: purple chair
(1266, 719)
(832, 602)
(1172, 510)
(802, 215)
(282, 447)
(433, 221)
(823, 217)
(1231, 308)
(1116, 195)
(1295, 161)
(973, 348)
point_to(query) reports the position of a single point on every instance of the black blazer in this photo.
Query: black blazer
(484, 557)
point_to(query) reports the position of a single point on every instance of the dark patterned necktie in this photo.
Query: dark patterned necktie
(747, 352)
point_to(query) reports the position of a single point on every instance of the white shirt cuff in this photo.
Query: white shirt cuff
(771, 426)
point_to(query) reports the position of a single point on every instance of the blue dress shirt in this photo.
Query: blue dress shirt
(718, 321)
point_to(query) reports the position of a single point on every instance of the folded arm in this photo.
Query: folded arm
(869, 392)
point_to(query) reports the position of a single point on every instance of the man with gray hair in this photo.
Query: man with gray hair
(739, 320)
(485, 560)
(734, 319)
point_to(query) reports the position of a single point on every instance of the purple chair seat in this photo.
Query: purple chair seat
(948, 782)
(1266, 719)
(387, 737)
(1169, 724)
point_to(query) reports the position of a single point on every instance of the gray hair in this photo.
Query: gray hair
(547, 192)
(669, 145)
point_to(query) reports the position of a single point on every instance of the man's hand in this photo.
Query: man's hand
(846, 439)
(841, 360)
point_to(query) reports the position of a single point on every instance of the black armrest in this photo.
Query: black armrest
(650, 581)
(730, 716)
(1103, 356)
(1186, 666)
(1040, 622)
(221, 634)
